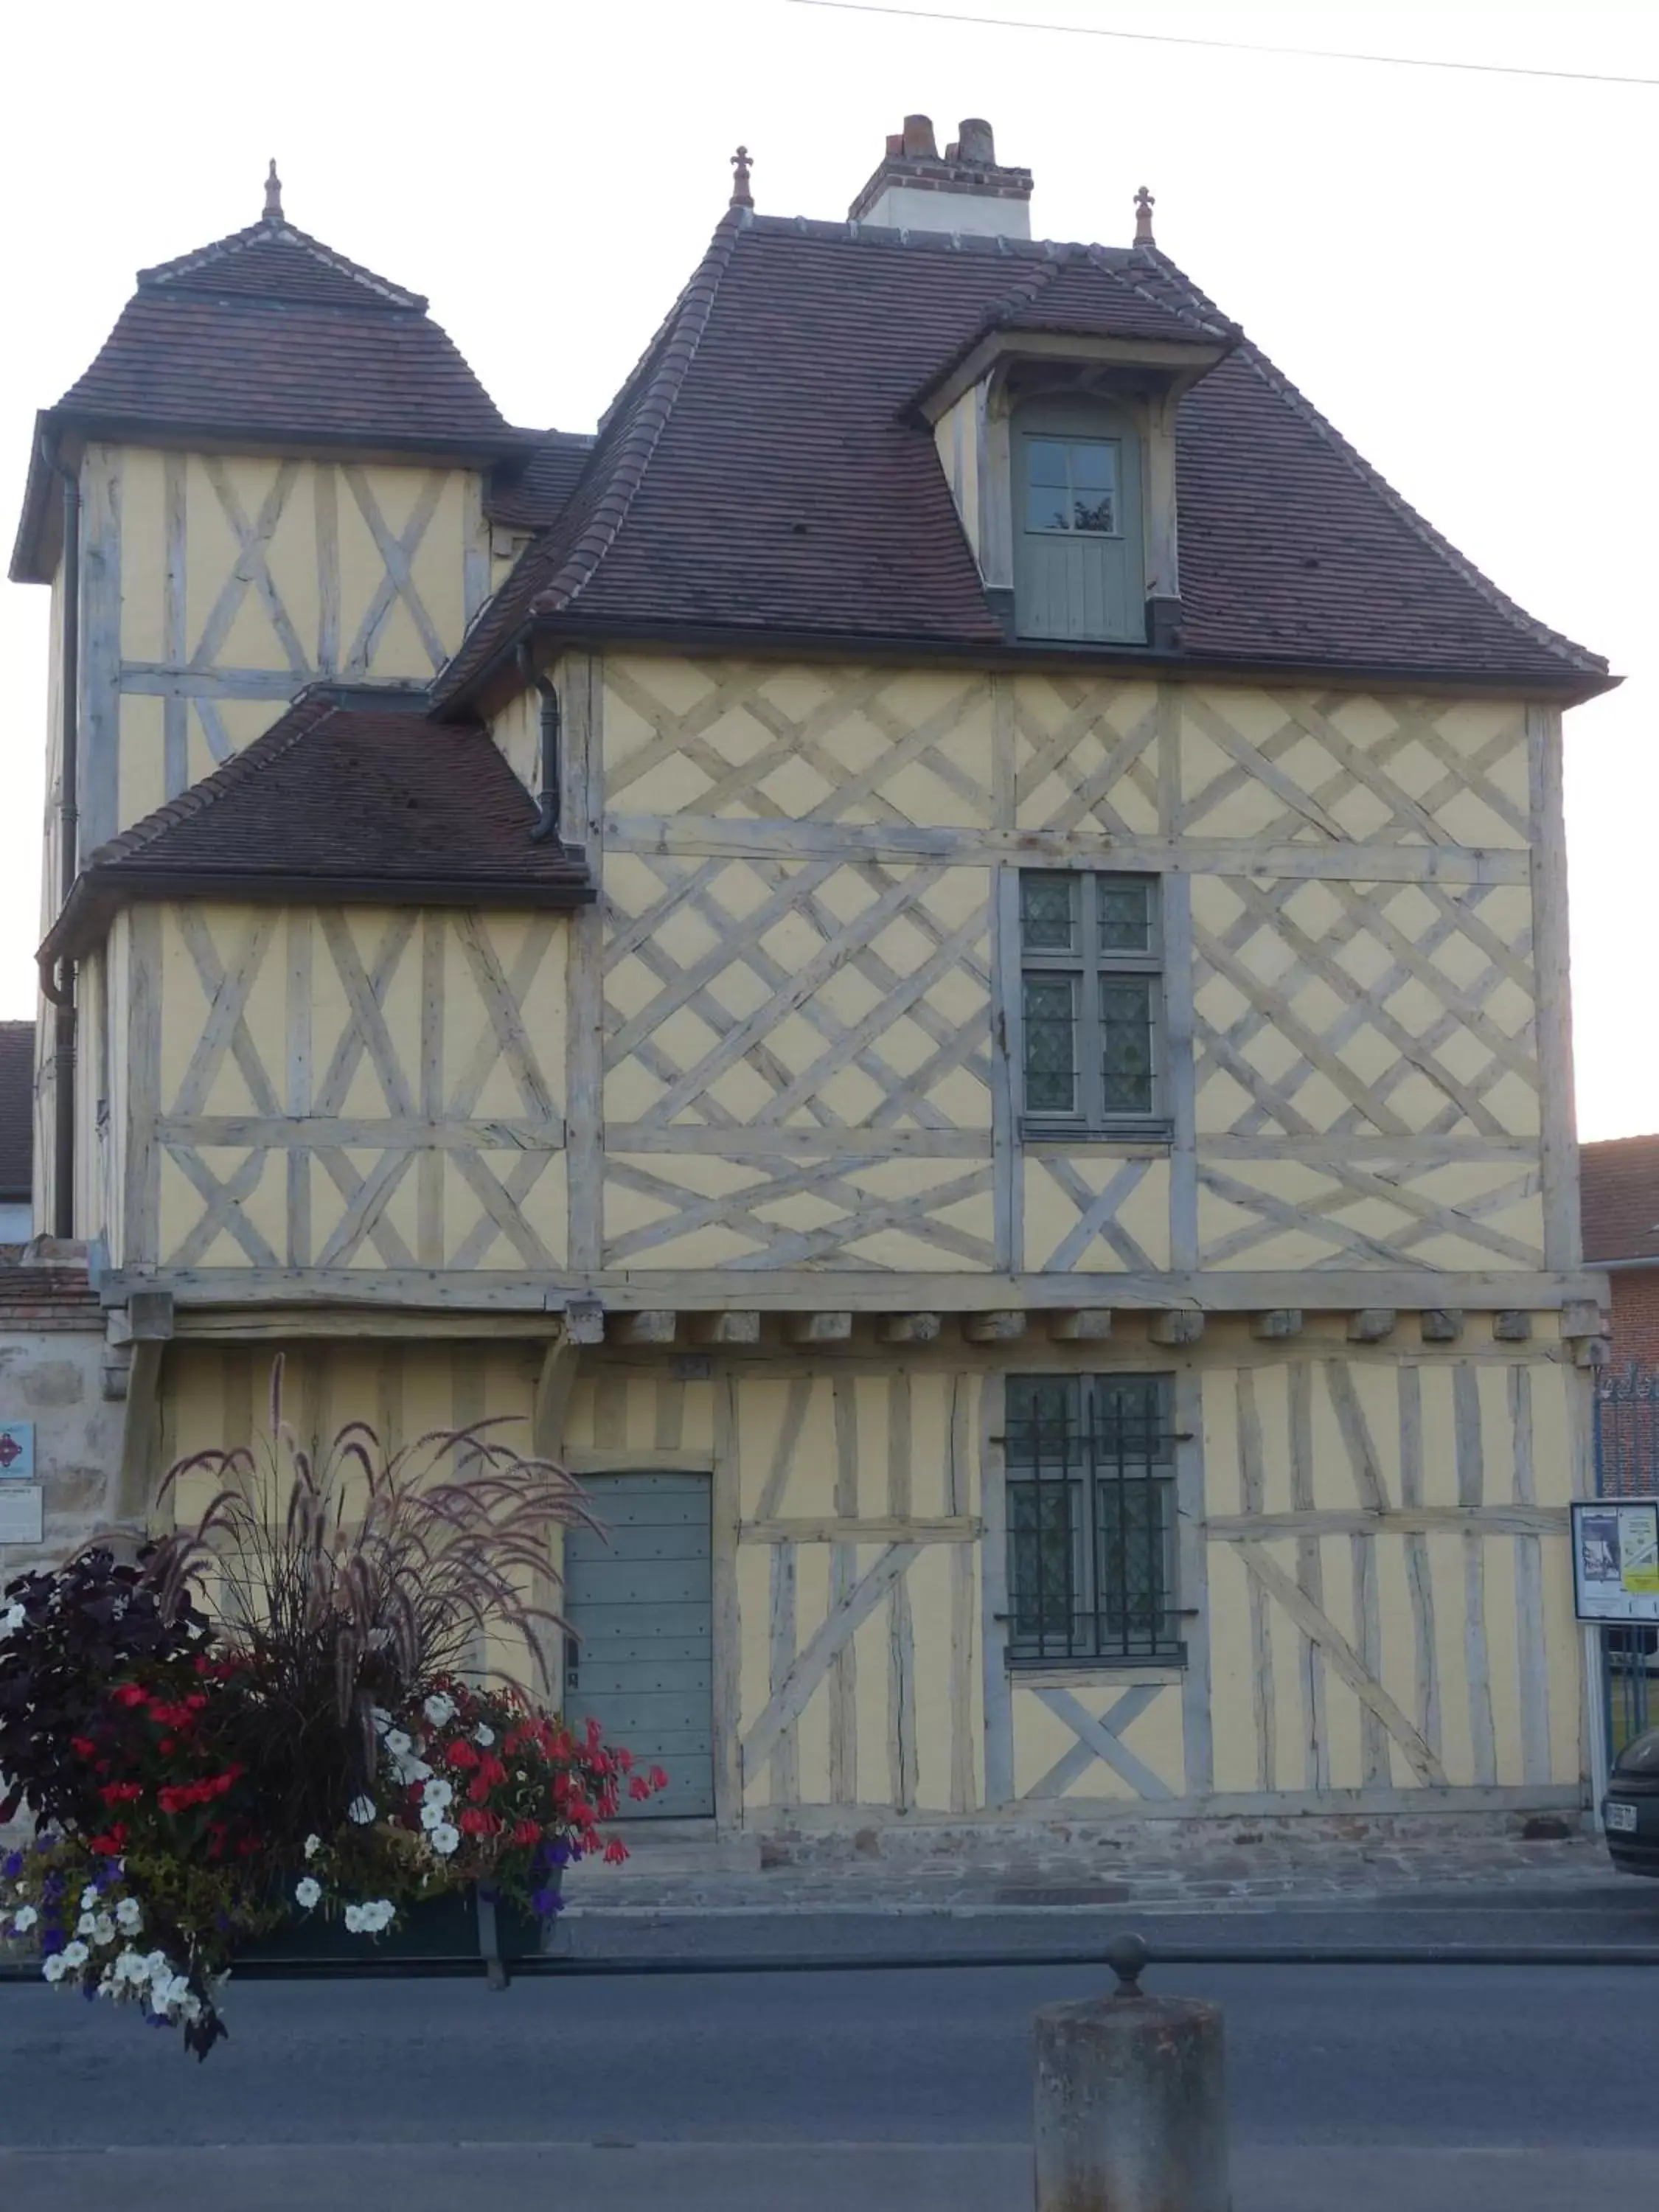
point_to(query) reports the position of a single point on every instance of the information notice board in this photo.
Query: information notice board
(1615, 1559)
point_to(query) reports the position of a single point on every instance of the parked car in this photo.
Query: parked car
(1630, 1811)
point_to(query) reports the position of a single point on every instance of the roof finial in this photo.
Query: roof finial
(273, 194)
(741, 165)
(1144, 206)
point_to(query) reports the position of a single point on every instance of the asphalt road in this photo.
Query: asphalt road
(1472, 2088)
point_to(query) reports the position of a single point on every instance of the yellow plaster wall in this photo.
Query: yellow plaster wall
(1364, 1073)
(365, 570)
(375, 1086)
(818, 1469)
(1469, 1629)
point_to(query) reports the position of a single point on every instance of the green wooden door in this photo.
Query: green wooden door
(639, 1598)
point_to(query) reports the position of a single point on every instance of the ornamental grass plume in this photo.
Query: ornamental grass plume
(349, 1578)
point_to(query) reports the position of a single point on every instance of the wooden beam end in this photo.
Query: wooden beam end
(1086, 1324)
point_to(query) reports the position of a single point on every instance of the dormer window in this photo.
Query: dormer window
(1079, 561)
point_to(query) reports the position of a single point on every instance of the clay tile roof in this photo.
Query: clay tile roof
(338, 802)
(534, 495)
(270, 336)
(765, 468)
(16, 1110)
(1619, 1199)
(1092, 294)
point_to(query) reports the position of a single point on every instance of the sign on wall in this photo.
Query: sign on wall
(21, 1514)
(17, 1449)
(1615, 1559)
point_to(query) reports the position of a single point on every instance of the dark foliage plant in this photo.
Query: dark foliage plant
(284, 1709)
(71, 1632)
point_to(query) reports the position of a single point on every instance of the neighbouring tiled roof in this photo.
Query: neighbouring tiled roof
(1619, 1199)
(337, 802)
(270, 335)
(765, 468)
(534, 497)
(16, 1110)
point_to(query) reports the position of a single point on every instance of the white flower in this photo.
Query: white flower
(362, 1810)
(55, 1969)
(86, 1924)
(432, 1816)
(381, 1718)
(155, 1964)
(89, 1899)
(129, 1967)
(307, 1893)
(12, 1618)
(130, 1915)
(445, 1839)
(178, 1990)
(440, 1709)
(484, 1736)
(354, 1919)
(103, 1929)
(437, 1792)
(75, 1954)
(398, 1743)
(24, 1919)
(313, 1845)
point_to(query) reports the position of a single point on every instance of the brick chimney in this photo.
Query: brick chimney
(914, 189)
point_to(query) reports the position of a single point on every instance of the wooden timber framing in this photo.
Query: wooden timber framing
(219, 585)
(746, 1195)
(1559, 1148)
(506, 1290)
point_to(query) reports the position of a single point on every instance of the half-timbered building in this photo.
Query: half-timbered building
(941, 954)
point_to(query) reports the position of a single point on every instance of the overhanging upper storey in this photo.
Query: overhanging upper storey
(1055, 426)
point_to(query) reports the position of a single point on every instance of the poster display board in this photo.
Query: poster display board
(1615, 1559)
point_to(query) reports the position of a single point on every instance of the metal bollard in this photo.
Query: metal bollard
(1131, 2103)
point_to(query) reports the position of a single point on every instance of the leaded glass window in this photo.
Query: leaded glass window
(1091, 1519)
(1091, 999)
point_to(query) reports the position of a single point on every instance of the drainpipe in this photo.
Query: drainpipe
(59, 987)
(547, 821)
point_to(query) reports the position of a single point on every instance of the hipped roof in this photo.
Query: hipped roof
(269, 337)
(361, 802)
(766, 470)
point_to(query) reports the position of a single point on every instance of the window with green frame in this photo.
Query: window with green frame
(1090, 1000)
(1092, 1520)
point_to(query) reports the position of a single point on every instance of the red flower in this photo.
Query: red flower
(657, 1778)
(113, 1842)
(625, 1760)
(166, 1746)
(614, 1851)
(490, 1770)
(82, 1746)
(639, 1787)
(121, 1793)
(527, 1832)
(472, 1822)
(129, 1693)
(461, 1754)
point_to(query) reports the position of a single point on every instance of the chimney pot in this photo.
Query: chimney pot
(968, 193)
(975, 143)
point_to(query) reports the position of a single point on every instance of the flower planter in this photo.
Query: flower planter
(439, 1932)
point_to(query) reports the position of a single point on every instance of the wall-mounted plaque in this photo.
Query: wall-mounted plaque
(17, 1449)
(21, 1516)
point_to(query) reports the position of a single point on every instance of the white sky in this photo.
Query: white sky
(1459, 270)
